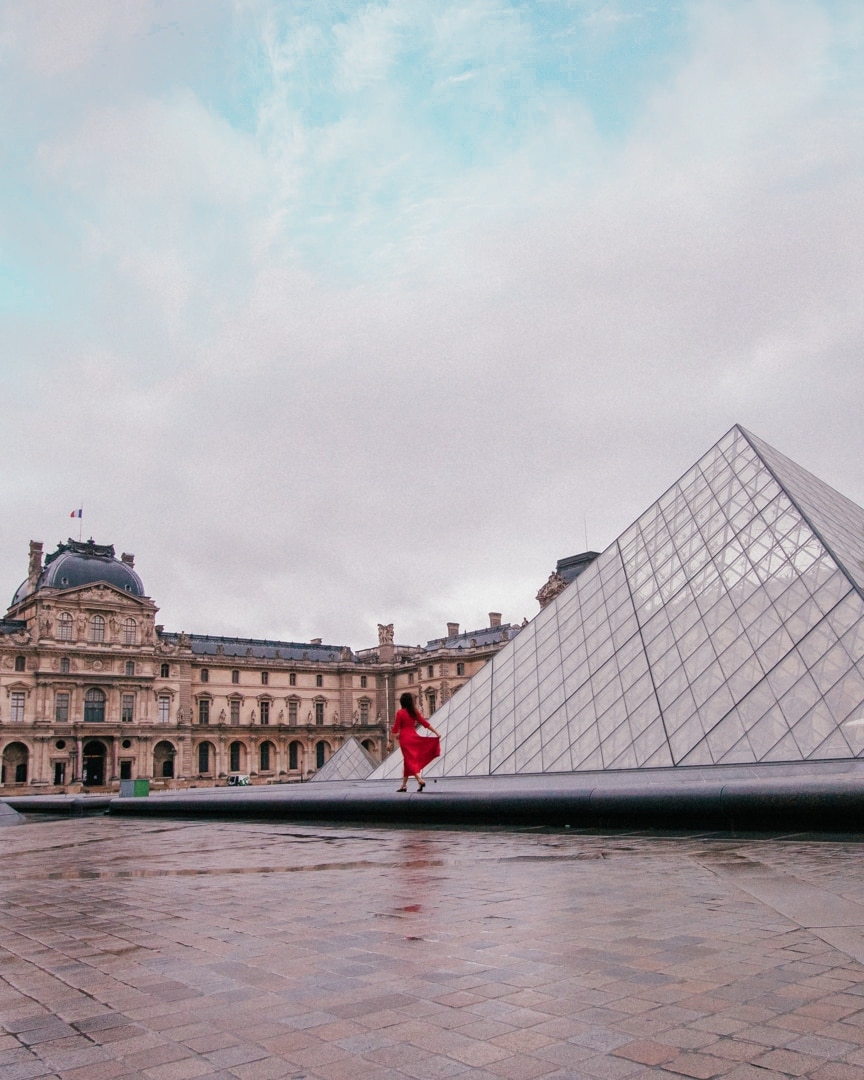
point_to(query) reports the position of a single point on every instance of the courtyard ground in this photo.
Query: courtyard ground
(172, 949)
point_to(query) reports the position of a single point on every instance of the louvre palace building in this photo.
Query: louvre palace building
(94, 691)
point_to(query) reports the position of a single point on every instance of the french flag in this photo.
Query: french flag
(77, 513)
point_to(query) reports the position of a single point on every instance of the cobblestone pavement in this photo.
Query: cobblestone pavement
(252, 950)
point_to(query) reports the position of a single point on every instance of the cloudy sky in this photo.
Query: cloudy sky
(337, 313)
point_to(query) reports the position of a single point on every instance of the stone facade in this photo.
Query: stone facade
(93, 690)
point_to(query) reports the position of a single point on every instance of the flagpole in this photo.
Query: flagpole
(80, 522)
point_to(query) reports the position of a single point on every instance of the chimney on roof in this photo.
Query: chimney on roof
(315, 641)
(34, 568)
(452, 629)
(128, 559)
(494, 618)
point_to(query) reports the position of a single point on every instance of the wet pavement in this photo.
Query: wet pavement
(167, 949)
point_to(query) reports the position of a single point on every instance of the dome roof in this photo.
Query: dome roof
(77, 563)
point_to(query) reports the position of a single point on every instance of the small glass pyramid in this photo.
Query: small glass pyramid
(725, 626)
(352, 761)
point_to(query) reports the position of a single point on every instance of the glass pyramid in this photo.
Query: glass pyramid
(352, 761)
(725, 626)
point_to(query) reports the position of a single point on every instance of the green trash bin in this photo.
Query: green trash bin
(141, 788)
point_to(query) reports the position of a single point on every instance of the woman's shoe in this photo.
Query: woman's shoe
(401, 788)
(421, 785)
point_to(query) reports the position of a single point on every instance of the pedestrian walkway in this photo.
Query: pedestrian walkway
(173, 949)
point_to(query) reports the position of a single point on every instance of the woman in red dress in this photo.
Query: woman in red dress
(417, 750)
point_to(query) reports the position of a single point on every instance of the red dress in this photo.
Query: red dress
(417, 750)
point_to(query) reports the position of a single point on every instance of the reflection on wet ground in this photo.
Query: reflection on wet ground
(256, 949)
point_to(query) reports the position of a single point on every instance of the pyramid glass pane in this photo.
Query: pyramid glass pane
(725, 625)
(352, 761)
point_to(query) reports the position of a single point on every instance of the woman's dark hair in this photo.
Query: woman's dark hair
(407, 703)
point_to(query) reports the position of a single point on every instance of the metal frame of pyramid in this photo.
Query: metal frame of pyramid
(724, 627)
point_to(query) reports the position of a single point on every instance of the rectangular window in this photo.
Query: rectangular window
(204, 711)
(204, 757)
(61, 707)
(265, 678)
(164, 708)
(460, 669)
(363, 682)
(235, 677)
(16, 712)
(59, 773)
(319, 680)
(319, 712)
(127, 708)
(430, 671)
(292, 755)
(235, 713)
(364, 712)
(292, 713)
(410, 677)
(265, 712)
(205, 675)
(292, 679)
(125, 770)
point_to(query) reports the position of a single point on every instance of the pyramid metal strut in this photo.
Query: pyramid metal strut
(724, 627)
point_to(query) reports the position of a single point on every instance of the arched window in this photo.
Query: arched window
(94, 706)
(97, 629)
(204, 757)
(20, 663)
(130, 632)
(236, 756)
(265, 757)
(294, 749)
(64, 626)
(321, 749)
(165, 671)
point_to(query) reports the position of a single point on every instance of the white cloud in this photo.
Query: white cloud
(55, 36)
(414, 424)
